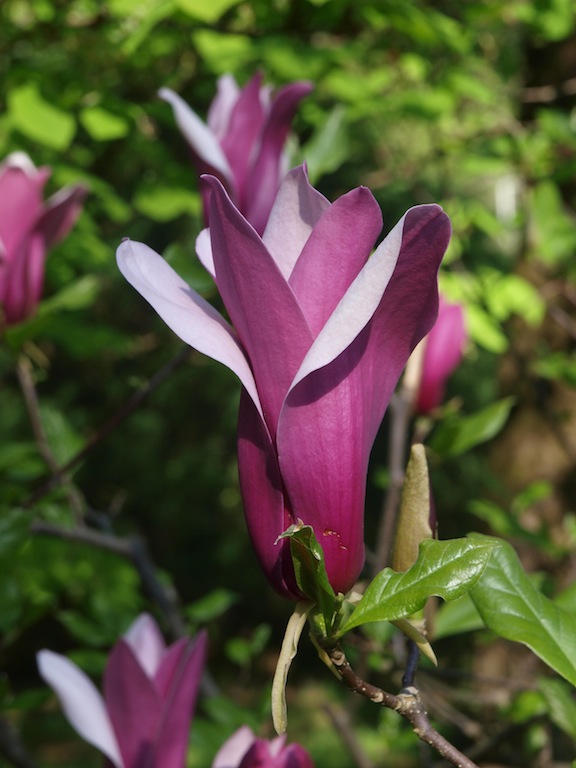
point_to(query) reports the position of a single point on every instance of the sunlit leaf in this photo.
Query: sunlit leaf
(38, 119)
(103, 125)
(447, 569)
(458, 434)
(206, 11)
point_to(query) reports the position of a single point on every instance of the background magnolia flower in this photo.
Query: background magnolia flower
(28, 228)
(243, 141)
(150, 693)
(244, 750)
(322, 331)
(443, 350)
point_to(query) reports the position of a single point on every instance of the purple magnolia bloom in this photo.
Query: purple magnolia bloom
(244, 750)
(28, 228)
(150, 693)
(443, 350)
(242, 144)
(322, 331)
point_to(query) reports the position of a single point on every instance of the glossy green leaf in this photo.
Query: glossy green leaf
(310, 570)
(458, 434)
(511, 606)
(447, 569)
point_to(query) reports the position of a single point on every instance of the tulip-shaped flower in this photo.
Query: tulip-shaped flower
(28, 228)
(322, 331)
(242, 144)
(150, 692)
(443, 350)
(244, 750)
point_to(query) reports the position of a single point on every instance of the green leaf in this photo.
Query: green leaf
(39, 120)
(326, 151)
(208, 12)
(166, 203)
(103, 125)
(459, 434)
(211, 606)
(310, 570)
(511, 606)
(484, 330)
(447, 569)
(561, 705)
(456, 617)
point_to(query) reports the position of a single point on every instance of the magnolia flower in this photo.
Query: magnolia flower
(149, 697)
(28, 228)
(244, 750)
(243, 141)
(443, 350)
(322, 331)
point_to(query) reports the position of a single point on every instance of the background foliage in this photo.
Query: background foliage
(467, 104)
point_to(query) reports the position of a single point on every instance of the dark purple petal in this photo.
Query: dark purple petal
(261, 185)
(22, 281)
(180, 701)
(62, 210)
(295, 756)
(260, 303)
(246, 121)
(330, 419)
(334, 254)
(263, 499)
(134, 706)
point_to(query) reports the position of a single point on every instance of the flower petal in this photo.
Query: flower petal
(133, 704)
(261, 184)
(263, 499)
(261, 304)
(147, 643)
(335, 410)
(21, 201)
(62, 210)
(227, 93)
(296, 211)
(233, 750)
(204, 251)
(179, 704)
(362, 299)
(334, 254)
(183, 310)
(200, 138)
(82, 703)
(245, 124)
(443, 348)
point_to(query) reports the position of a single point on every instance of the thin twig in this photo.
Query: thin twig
(407, 703)
(115, 420)
(133, 549)
(342, 725)
(26, 381)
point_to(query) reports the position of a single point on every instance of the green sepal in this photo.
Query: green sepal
(447, 569)
(310, 570)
